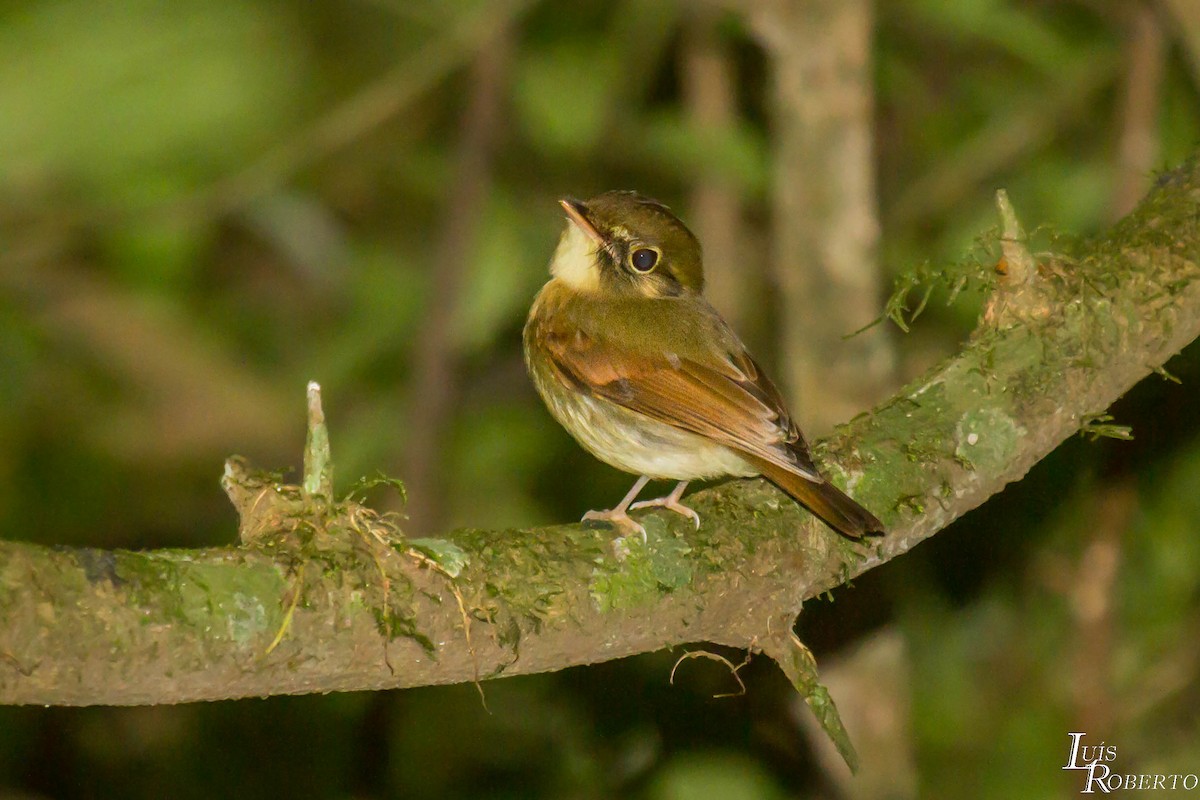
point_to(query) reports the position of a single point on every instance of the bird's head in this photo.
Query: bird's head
(623, 244)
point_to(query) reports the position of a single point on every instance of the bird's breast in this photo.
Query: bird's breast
(637, 444)
(626, 439)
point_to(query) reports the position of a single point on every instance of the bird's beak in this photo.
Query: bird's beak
(577, 213)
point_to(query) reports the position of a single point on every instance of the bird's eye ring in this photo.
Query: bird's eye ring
(644, 259)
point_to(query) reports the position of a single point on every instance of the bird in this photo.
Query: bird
(646, 375)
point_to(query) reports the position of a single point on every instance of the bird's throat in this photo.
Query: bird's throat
(575, 261)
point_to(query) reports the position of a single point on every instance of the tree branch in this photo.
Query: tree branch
(356, 606)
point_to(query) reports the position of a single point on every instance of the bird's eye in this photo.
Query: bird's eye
(644, 259)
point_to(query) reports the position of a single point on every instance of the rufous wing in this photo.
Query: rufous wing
(722, 395)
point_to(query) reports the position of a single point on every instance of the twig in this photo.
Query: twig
(733, 669)
(318, 463)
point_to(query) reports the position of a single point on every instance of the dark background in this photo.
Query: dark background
(205, 204)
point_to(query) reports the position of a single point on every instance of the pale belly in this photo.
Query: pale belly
(634, 443)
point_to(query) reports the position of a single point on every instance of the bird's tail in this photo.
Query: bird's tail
(823, 499)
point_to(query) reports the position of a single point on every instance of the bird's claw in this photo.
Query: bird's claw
(618, 519)
(672, 504)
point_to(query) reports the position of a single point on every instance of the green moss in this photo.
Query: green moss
(918, 441)
(324, 542)
(648, 570)
(1009, 361)
(241, 605)
(247, 601)
(515, 588)
(392, 625)
(986, 439)
(446, 554)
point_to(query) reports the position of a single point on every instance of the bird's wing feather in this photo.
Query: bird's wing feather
(721, 395)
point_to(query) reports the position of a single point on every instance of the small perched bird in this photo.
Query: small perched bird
(633, 361)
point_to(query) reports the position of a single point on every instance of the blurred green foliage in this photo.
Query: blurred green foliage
(203, 205)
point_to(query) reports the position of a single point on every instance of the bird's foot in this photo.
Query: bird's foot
(670, 502)
(618, 518)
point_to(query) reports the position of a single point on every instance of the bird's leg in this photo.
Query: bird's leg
(619, 516)
(671, 501)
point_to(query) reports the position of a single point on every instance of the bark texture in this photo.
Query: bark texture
(327, 596)
(825, 227)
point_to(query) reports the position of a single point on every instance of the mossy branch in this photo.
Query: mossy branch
(325, 595)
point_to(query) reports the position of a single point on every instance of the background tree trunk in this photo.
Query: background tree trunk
(825, 227)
